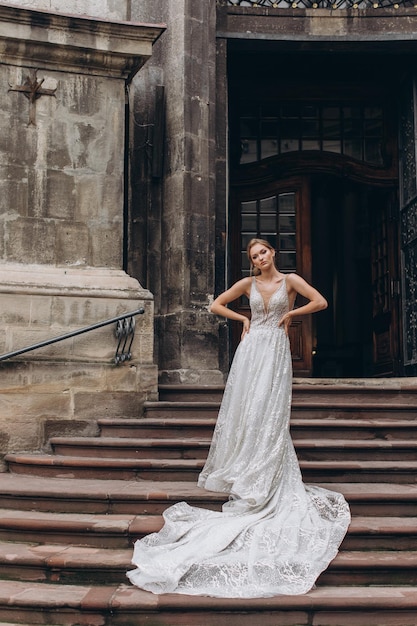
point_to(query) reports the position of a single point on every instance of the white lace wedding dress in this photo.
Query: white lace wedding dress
(275, 534)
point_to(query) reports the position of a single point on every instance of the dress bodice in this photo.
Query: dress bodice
(267, 314)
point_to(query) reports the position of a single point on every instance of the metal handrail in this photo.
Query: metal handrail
(127, 329)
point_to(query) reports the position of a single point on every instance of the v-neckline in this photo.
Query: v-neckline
(266, 306)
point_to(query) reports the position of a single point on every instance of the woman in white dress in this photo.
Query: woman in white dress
(274, 535)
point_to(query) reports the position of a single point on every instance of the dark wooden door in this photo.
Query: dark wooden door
(280, 213)
(408, 220)
(385, 286)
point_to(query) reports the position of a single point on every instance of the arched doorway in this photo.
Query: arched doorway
(316, 175)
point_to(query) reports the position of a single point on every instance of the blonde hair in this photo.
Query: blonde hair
(262, 242)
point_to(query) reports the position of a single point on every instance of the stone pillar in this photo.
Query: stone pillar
(62, 155)
(179, 267)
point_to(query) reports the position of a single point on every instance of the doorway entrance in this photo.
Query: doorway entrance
(341, 236)
(355, 264)
(314, 170)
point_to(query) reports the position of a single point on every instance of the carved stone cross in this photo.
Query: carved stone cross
(32, 90)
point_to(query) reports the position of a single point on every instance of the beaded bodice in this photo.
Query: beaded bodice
(266, 315)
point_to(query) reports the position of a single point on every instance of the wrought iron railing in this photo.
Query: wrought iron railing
(325, 4)
(124, 331)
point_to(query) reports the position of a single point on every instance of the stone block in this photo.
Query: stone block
(73, 243)
(57, 144)
(108, 404)
(59, 200)
(30, 241)
(200, 340)
(188, 341)
(28, 406)
(41, 309)
(3, 341)
(13, 191)
(23, 338)
(25, 434)
(111, 196)
(106, 246)
(59, 377)
(1, 240)
(68, 428)
(15, 309)
(169, 327)
(97, 345)
(88, 197)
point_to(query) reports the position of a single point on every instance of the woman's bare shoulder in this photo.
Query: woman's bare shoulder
(243, 284)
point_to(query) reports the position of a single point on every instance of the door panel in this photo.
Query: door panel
(408, 220)
(278, 212)
(385, 288)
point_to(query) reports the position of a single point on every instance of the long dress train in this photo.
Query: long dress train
(275, 535)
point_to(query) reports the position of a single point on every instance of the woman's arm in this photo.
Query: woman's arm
(317, 302)
(242, 287)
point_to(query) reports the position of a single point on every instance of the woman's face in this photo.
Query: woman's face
(261, 256)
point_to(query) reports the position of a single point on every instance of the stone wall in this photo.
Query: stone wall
(107, 9)
(178, 266)
(62, 177)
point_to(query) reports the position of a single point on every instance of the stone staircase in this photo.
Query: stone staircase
(69, 516)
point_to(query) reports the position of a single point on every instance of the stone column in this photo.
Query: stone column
(62, 156)
(180, 217)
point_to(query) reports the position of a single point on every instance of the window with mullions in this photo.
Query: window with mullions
(356, 131)
(273, 219)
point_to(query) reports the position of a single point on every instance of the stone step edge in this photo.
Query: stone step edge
(204, 442)
(367, 385)
(14, 484)
(61, 556)
(316, 422)
(129, 599)
(54, 460)
(135, 525)
(327, 404)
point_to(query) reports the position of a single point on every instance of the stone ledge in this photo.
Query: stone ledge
(66, 559)
(74, 43)
(125, 597)
(47, 279)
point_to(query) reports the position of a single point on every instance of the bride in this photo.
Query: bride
(275, 535)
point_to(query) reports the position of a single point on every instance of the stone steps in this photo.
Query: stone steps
(106, 566)
(68, 519)
(326, 427)
(173, 448)
(102, 497)
(90, 605)
(100, 467)
(120, 531)
(319, 409)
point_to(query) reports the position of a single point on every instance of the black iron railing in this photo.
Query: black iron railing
(325, 4)
(124, 331)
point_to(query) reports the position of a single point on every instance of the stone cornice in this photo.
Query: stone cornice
(69, 43)
(75, 281)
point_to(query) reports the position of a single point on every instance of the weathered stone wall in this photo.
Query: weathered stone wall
(63, 388)
(180, 219)
(61, 181)
(61, 225)
(107, 9)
